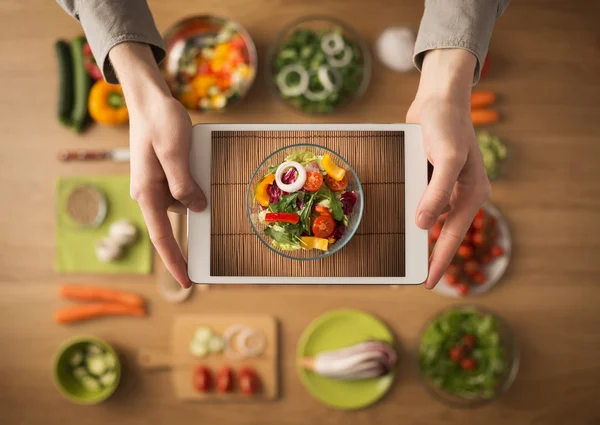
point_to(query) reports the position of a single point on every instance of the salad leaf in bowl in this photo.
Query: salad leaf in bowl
(467, 356)
(304, 202)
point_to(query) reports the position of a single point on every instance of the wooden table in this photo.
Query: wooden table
(545, 66)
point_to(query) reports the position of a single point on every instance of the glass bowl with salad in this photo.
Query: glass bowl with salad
(318, 64)
(304, 202)
(210, 62)
(468, 356)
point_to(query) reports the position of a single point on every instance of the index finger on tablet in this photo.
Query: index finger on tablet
(161, 235)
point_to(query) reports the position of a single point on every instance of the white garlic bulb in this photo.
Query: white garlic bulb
(395, 48)
(108, 250)
(123, 232)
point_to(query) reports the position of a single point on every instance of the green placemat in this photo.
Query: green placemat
(75, 247)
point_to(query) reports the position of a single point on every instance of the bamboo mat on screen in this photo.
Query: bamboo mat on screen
(377, 248)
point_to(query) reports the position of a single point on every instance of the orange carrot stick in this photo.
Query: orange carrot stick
(97, 293)
(76, 313)
(484, 116)
(482, 98)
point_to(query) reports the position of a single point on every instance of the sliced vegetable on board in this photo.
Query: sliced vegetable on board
(248, 381)
(202, 379)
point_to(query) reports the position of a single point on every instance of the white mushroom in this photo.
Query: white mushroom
(108, 250)
(123, 232)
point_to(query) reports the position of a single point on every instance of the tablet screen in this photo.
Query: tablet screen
(377, 249)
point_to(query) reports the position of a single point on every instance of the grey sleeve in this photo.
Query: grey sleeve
(107, 23)
(463, 24)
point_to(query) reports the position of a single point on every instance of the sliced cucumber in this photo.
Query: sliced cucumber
(198, 349)
(76, 359)
(216, 344)
(96, 364)
(93, 349)
(108, 379)
(80, 372)
(203, 334)
(90, 383)
(110, 361)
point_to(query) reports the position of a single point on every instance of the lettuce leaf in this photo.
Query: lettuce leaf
(302, 157)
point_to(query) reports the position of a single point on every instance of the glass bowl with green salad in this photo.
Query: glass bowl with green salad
(318, 64)
(468, 356)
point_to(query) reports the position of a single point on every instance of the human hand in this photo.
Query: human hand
(160, 137)
(442, 108)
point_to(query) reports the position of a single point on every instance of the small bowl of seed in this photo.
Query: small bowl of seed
(85, 206)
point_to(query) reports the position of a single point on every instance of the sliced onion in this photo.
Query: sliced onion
(296, 90)
(248, 351)
(228, 335)
(300, 178)
(323, 74)
(343, 61)
(332, 44)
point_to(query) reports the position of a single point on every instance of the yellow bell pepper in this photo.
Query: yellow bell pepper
(310, 242)
(262, 194)
(332, 169)
(201, 83)
(189, 99)
(106, 103)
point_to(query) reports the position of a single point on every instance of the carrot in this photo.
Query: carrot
(484, 116)
(482, 98)
(97, 293)
(81, 312)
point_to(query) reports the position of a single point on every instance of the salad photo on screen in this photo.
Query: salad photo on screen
(305, 202)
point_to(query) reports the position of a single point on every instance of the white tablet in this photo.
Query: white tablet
(386, 248)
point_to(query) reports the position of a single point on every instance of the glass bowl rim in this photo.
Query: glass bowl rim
(349, 235)
(515, 356)
(360, 41)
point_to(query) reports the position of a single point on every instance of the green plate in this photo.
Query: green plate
(334, 330)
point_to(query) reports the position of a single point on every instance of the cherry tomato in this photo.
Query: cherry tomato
(468, 341)
(248, 381)
(224, 379)
(202, 379)
(322, 210)
(436, 230)
(497, 251)
(468, 363)
(335, 185)
(471, 267)
(237, 42)
(479, 278)
(314, 181)
(453, 270)
(323, 226)
(465, 251)
(456, 353)
(478, 223)
(451, 279)
(486, 260)
(463, 288)
(478, 239)
(480, 213)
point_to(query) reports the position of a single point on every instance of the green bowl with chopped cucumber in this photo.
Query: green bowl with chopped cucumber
(468, 356)
(318, 64)
(86, 370)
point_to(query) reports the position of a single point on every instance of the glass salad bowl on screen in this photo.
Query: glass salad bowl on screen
(304, 202)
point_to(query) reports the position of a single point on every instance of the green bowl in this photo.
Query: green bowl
(66, 382)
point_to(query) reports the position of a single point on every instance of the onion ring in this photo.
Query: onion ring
(245, 335)
(300, 178)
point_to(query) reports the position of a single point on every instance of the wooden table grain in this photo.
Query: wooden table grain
(546, 69)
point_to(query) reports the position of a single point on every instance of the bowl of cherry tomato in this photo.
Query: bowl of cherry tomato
(481, 259)
(210, 62)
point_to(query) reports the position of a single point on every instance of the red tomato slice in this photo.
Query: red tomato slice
(202, 379)
(224, 379)
(248, 381)
(322, 210)
(335, 185)
(314, 181)
(468, 363)
(323, 226)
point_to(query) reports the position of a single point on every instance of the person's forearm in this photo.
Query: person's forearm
(138, 73)
(447, 73)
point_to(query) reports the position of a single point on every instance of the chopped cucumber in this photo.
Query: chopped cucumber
(110, 361)
(216, 344)
(213, 91)
(76, 359)
(79, 373)
(93, 349)
(203, 334)
(199, 349)
(90, 383)
(108, 379)
(96, 364)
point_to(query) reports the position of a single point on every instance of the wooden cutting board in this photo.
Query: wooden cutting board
(182, 363)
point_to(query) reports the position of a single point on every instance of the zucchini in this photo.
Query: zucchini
(76, 359)
(90, 383)
(110, 361)
(108, 379)
(216, 344)
(198, 348)
(203, 334)
(65, 84)
(82, 85)
(96, 365)
(80, 372)
(93, 350)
